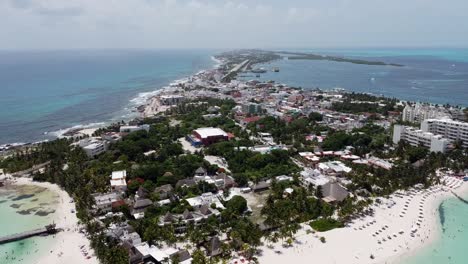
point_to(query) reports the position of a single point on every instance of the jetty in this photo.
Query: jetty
(27, 172)
(47, 230)
(459, 197)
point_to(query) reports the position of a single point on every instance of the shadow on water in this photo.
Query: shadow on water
(442, 217)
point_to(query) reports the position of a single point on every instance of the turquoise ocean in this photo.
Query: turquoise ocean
(451, 245)
(24, 208)
(49, 91)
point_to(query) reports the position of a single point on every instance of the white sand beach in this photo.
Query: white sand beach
(69, 245)
(387, 235)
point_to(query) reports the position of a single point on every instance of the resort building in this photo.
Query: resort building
(118, 183)
(93, 146)
(418, 112)
(417, 137)
(448, 128)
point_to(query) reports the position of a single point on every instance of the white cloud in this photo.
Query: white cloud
(234, 23)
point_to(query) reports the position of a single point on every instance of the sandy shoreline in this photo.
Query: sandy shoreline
(66, 244)
(358, 241)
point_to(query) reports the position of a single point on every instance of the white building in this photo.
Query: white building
(118, 182)
(93, 146)
(418, 112)
(103, 202)
(450, 129)
(416, 137)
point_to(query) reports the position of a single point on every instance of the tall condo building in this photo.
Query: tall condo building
(418, 112)
(435, 134)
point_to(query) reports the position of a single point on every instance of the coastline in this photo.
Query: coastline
(65, 247)
(358, 242)
(434, 226)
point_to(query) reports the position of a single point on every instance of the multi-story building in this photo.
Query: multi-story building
(93, 146)
(118, 181)
(418, 113)
(251, 108)
(417, 137)
(450, 129)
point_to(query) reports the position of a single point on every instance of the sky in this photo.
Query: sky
(148, 24)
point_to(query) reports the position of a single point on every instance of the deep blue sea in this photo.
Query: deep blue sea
(429, 75)
(47, 91)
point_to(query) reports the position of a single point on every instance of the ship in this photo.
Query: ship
(259, 70)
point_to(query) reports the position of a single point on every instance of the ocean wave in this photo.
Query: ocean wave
(218, 62)
(61, 132)
(143, 97)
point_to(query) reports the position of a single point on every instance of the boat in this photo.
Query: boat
(258, 70)
(276, 69)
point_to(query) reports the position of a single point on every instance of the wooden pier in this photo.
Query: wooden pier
(47, 230)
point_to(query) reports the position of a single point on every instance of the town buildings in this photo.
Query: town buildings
(118, 181)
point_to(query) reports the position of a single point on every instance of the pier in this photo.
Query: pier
(47, 230)
(459, 197)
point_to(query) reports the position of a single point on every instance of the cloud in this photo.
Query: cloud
(230, 24)
(49, 8)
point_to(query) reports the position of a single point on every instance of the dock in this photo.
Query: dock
(47, 230)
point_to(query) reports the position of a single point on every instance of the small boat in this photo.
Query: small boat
(276, 69)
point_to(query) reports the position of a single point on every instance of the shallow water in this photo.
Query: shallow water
(24, 208)
(452, 245)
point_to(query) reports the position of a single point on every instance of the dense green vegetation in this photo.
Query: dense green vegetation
(366, 139)
(325, 224)
(254, 166)
(357, 103)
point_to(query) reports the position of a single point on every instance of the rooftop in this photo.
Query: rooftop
(119, 174)
(210, 132)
